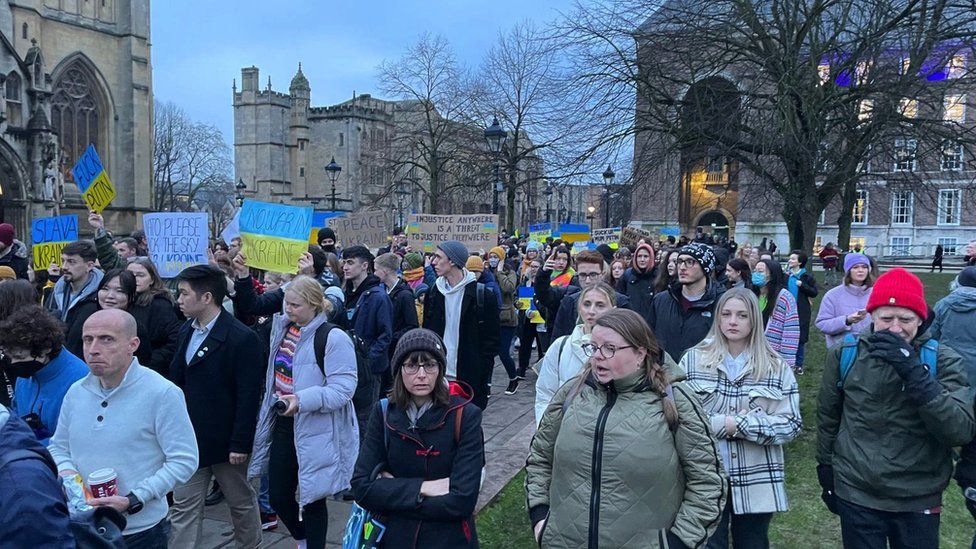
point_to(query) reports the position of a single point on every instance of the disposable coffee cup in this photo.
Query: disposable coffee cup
(103, 483)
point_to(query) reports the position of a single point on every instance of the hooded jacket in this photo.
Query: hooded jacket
(33, 512)
(403, 312)
(604, 469)
(44, 392)
(62, 304)
(369, 314)
(426, 452)
(887, 452)
(508, 285)
(955, 326)
(840, 302)
(677, 329)
(638, 284)
(563, 361)
(17, 259)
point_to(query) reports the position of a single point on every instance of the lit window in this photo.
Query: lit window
(908, 107)
(954, 108)
(864, 110)
(905, 150)
(906, 63)
(957, 65)
(861, 71)
(860, 213)
(949, 206)
(823, 71)
(857, 243)
(901, 207)
(952, 152)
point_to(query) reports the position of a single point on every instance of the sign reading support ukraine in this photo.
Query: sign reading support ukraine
(274, 236)
(49, 235)
(93, 181)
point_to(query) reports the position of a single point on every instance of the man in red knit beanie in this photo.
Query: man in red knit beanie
(887, 427)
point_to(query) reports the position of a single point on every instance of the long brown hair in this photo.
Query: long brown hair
(399, 394)
(156, 285)
(635, 331)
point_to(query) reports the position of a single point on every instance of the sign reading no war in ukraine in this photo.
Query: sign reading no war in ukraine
(176, 240)
(93, 181)
(49, 235)
(274, 236)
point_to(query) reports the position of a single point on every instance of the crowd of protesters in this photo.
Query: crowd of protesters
(665, 379)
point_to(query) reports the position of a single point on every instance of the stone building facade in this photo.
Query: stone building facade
(282, 145)
(74, 73)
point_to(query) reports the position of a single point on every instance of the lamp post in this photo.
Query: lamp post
(495, 136)
(401, 193)
(240, 192)
(607, 182)
(333, 170)
(548, 192)
(591, 209)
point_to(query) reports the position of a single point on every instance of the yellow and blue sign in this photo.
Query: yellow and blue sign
(274, 236)
(540, 231)
(526, 302)
(93, 181)
(49, 235)
(572, 232)
(320, 220)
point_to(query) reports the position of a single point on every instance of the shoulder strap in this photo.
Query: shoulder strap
(929, 353)
(562, 345)
(384, 407)
(321, 338)
(848, 354)
(457, 425)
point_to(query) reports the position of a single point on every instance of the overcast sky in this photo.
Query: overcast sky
(199, 48)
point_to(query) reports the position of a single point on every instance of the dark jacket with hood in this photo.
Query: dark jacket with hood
(955, 326)
(159, 323)
(248, 302)
(428, 451)
(638, 285)
(17, 259)
(369, 314)
(678, 329)
(404, 312)
(33, 511)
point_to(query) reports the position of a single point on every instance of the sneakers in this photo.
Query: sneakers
(512, 387)
(269, 521)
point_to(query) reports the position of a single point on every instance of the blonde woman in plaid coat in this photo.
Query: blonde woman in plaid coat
(753, 404)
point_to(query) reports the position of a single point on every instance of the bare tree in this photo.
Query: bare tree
(794, 94)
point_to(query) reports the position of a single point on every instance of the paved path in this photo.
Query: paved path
(508, 425)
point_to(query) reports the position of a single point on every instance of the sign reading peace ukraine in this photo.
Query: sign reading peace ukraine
(93, 181)
(274, 236)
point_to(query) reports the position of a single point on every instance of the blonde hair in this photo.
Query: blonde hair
(764, 361)
(310, 291)
(601, 287)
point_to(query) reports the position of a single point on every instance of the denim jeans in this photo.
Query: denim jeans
(264, 496)
(864, 528)
(156, 537)
(506, 335)
(800, 352)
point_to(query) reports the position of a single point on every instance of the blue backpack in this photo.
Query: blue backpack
(928, 353)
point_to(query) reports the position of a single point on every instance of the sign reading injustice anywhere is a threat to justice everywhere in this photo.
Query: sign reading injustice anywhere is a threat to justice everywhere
(176, 240)
(49, 235)
(93, 181)
(274, 236)
(477, 231)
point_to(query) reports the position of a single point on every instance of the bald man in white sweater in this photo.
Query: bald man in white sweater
(126, 417)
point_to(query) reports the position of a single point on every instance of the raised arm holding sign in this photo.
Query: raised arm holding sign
(93, 182)
(274, 236)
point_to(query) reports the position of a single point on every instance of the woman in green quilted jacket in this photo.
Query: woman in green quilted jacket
(623, 456)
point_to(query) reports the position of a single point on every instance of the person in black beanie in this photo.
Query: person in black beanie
(327, 239)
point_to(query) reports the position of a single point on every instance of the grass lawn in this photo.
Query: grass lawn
(808, 524)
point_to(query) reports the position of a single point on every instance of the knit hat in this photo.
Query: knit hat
(854, 258)
(475, 264)
(533, 246)
(607, 252)
(499, 251)
(420, 290)
(967, 277)
(326, 232)
(414, 260)
(899, 288)
(702, 253)
(6, 233)
(6, 273)
(418, 339)
(456, 252)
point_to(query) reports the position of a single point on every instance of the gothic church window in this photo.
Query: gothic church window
(12, 94)
(23, 31)
(75, 113)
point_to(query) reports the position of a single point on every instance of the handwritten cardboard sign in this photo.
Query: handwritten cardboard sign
(605, 236)
(274, 236)
(361, 229)
(93, 182)
(629, 236)
(49, 235)
(476, 231)
(176, 240)
(540, 231)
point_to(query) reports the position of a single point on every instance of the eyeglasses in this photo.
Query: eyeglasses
(589, 275)
(413, 367)
(689, 263)
(607, 350)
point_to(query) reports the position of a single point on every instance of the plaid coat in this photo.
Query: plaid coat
(768, 415)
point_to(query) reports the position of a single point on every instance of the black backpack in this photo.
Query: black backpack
(364, 376)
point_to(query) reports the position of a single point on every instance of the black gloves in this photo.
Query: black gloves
(970, 504)
(920, 386)
(825, 475)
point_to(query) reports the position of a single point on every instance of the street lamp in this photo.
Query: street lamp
(495, 136)
(333, 170)
(548, 192)
(240, 191)
(401, 193)
(607, 181)
(591, 209)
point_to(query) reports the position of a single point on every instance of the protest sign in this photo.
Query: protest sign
(319, 221)
(581, 245)
(605, 236)
(49, 235)
(670, 231)
(232, 230)
(526, 302)
(629, 236)
(93, 181)
(477, 231)
(176, 240)
(572, 232)
(361, 229)
(274, 236)
(540, 232)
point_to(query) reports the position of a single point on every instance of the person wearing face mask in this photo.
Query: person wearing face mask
(565, 358)
(327, 240)
(34, 342)
(778, 308)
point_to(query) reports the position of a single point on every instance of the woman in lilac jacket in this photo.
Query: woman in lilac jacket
(842, 310)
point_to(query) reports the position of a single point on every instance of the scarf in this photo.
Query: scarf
(791, 283)
(414, 277)
(562, 280)
(414, 413)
